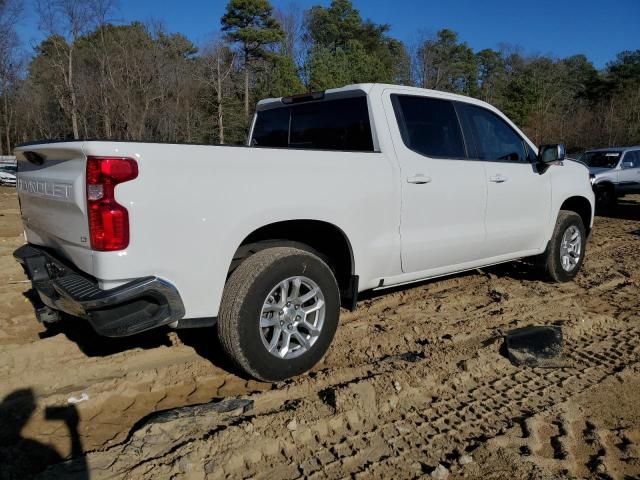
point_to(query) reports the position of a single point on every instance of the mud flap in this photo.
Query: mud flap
(535, 346)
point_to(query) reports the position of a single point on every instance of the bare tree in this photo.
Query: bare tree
(218, 63)
(64, 21)
(90, 77)
(10, 12)
(291, 20)
(103, 56)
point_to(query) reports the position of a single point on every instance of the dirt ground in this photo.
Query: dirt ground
(415, 384)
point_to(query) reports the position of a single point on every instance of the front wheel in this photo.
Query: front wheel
(565, 252)
(279, 313)
(606, 196)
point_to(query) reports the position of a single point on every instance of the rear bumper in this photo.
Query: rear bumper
(134, 307)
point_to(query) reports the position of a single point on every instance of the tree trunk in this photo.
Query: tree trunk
(6, 121)
(1, 150)
(106, 118)
(246, 85)
(220, 107)
(188, 108)
(107, 125)
(74, 101)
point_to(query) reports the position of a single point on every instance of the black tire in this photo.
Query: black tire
(551, 261)
(606, 196)
(242, 301)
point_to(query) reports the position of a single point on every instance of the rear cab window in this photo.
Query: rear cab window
(332, 124)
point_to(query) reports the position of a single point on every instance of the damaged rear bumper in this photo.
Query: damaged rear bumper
(134, 307)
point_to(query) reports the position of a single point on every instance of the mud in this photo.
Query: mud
(416, 383)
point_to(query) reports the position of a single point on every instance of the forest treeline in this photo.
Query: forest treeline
(93, 78)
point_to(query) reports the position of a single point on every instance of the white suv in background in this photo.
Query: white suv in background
(8, 175)
(614, 172)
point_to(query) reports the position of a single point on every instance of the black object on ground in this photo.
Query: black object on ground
(223, 406)
(535, 346)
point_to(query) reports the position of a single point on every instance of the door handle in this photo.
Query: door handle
(419, 179)
(498, 178)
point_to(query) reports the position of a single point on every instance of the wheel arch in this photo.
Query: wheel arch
(605, 184)
(325, 239)
(582, 206)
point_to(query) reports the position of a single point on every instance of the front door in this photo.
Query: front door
(518, 193)
(443, 192)
(629, 175)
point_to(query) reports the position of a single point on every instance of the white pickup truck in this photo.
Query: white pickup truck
(358, 188)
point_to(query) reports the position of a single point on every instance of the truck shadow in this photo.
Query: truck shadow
(90, 343)
(624, 210)
(206, 344)
(517, 270)
(22, 457)
(203, 340)
(520, 270)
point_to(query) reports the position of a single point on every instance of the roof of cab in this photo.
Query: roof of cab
(362, 87)
(367, 89)
(614, 149)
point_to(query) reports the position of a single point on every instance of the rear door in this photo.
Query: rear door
(518, 194)
(443, 192)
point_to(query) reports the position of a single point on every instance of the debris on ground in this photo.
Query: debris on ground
(239, 406)
(535, 346)
(440, 473)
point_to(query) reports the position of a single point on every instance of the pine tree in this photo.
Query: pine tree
(251, 24)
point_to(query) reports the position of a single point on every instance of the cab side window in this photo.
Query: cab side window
(633, 158)
(494, 138)
(429, 126)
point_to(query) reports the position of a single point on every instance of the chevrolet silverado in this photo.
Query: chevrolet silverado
(359, 188)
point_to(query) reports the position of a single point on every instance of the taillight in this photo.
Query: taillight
(108, 220)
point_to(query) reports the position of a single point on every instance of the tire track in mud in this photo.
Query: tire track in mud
(135, 383)
(580, 438)
(382, 422)
(499, 402)
(107, 425)
(435, 341)
(191, 380)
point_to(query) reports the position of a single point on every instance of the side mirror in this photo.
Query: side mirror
(551, 153)
(627, 164)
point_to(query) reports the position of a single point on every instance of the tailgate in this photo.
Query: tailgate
(51, 189)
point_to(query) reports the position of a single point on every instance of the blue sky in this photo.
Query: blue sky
(560, 28)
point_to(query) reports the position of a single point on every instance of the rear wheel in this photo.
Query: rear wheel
(565, 253)
(279, 313)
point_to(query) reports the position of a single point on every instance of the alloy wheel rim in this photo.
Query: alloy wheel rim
(570, 248)
(292, 317)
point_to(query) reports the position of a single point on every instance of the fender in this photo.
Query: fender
(568, 180)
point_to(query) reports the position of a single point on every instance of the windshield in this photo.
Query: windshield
(607, 159)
